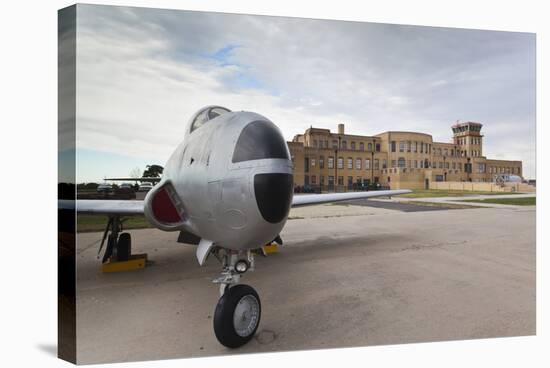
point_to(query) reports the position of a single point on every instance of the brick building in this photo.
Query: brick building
(395, 159)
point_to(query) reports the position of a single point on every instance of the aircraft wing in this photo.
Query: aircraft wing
(311, 199)
(103, 206)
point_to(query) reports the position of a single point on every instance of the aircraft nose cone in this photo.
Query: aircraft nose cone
(273, 192)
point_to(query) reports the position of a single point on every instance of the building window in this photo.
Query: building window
(334, 144)
(393, 146)
(315, 143)
(340, 162)
(401, 162)
(401, 146)
(340, 180)
(331, 163)
(321, 180)
(357, 164)
(393, 163)
(421, 147)
(369, 147)
(321, 162)
(447, 165)
(446, 152)
(377, 147)
(350, 163)
(353, 146)
(367, 164)
(409, 146)
(312, 162)
(331, 181)
(421, 164)
(350, 182)
(361, 146)
(481, 168)
(344, 145)
(384, 164)
(416, 164)
(415, 147)
(376, 164)
(313, 180)
(306, 164)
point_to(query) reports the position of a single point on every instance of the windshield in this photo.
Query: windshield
(207, 114)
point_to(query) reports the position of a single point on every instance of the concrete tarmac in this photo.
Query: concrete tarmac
(347, 276)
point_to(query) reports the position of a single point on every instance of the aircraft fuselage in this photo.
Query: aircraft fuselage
(229, 181)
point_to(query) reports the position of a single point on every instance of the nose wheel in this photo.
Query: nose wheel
(238, 311)
(237, 316)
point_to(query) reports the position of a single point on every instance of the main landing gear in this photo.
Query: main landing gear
(238, 311)
(118, 252)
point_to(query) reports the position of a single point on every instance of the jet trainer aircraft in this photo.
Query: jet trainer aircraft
(228, 188)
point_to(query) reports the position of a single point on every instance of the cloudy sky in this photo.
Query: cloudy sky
(141, 73)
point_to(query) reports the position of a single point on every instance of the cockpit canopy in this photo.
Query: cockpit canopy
(205, 114)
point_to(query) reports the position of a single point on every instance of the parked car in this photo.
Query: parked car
(145, 186)
(125, 191)
(104, 188)
(126, 187)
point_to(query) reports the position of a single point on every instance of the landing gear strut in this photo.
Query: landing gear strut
(238, 311)
(118, 252)
(119, 244)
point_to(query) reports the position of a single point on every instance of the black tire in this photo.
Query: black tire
(224, 326)
(124, 247)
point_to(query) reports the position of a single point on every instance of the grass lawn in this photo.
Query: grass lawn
(431, 193)
(445, 205)
(529, 201)
(88, 223)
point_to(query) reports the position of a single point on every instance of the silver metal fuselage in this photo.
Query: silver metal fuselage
(215, 196)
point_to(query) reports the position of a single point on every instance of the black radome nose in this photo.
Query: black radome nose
(260, 140)
(273, 195)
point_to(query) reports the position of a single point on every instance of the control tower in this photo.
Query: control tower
(468, 137)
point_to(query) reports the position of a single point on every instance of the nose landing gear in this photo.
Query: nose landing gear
(238, 311)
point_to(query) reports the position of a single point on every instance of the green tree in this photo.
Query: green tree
(153, 171)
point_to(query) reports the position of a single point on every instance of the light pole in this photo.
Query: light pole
(372, 163)
(444, 169)
(336, 164)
